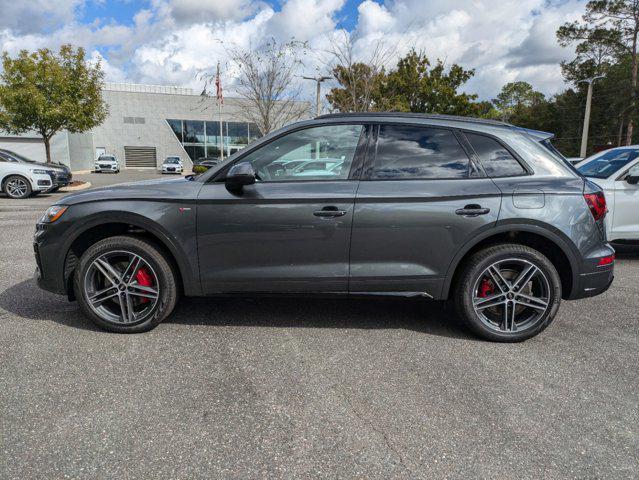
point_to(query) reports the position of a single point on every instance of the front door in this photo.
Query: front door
(420, 201)
(290, 231)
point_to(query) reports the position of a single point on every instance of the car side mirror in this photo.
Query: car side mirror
(633, 175)
(240, 175)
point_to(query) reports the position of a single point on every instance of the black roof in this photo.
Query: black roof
(428, 116)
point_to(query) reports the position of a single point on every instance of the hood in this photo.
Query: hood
(49, 166)
(145, 189)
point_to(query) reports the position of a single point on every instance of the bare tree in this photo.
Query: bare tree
(265, 84)
(358, 77)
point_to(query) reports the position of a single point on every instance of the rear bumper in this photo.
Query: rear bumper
(594, 279)
(592, 284)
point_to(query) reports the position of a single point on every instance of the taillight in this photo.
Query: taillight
(597, 204)
(609, 260)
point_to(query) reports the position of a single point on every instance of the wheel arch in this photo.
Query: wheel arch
(542, 237)
(14, 174)
(107, 224)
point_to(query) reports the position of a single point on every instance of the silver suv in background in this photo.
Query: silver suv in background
(107, 163)
(481, 213)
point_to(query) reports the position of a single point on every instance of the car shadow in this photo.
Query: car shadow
(27, 300)
(626, 250)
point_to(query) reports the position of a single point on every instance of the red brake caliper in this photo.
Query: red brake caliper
(143, 278)
(485, 288)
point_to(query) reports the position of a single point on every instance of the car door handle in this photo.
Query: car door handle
(472, 211)
(329, 212)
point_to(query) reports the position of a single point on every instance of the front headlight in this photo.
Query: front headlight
(53, 213)
(39, 171)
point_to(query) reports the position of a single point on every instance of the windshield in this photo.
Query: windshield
(608, 163)
(15, 157)
(172, 160)
(105, 158)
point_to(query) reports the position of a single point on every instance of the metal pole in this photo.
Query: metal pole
(221, 132)
(319, 87)
(318, 80)
(584, 133)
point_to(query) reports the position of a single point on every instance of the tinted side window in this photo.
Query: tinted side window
(496, 160)
(318, 153)
(409, 152)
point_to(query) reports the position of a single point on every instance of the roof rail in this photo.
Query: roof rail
(431, 116)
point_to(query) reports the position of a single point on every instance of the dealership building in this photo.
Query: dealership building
(147, 123)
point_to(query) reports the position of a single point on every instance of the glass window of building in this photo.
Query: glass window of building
(213, 133)
(193, 131)
(254, 132)
(195, 151)
(206, 136)
(176, 126)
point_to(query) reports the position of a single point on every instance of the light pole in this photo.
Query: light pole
(584, 133)
(319, 81)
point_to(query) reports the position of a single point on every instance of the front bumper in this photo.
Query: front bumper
(105, 168)
(41, 182)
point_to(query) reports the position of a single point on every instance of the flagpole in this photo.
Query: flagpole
(219, 104)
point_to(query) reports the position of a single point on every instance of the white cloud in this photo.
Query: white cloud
(170, 41)
(190, 11)
(32, 16)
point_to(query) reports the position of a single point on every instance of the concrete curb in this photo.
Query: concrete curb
(77, 187)
(81, 172)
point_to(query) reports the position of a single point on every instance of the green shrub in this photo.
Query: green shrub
(197, 169)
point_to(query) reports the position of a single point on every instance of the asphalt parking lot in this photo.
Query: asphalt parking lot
(286, 388)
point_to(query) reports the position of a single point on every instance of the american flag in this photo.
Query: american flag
(218, 86)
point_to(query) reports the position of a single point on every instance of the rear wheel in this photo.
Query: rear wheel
(16, 186)
(124, 284)
(508, 293)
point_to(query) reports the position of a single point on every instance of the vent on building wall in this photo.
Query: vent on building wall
(139, 120)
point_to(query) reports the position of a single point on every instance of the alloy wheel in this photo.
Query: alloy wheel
(121, 287)
(511, 295)
(16, 187)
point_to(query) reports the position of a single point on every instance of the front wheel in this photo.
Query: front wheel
(124, 284)
(508, 293)
(18, 187)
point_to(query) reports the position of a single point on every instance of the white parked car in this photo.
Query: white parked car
(21, 180)
(172, 164)
(106, 163)
(617, 172)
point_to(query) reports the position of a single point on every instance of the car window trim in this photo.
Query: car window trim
(368, 174)
(622, 177)
(362, 143)
(522, 163)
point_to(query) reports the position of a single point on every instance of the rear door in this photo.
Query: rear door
(420, 200)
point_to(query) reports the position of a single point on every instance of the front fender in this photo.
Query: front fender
(173, 227)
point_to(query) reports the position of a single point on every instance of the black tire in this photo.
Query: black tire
(473, 272)
(150, 253)
(24, 186)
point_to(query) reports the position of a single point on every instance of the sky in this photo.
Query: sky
(172, 42)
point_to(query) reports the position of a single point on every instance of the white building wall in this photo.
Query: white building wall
(155, 105)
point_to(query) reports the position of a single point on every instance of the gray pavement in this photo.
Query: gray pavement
(289, 388)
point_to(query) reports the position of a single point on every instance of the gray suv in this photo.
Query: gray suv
(484, 214)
